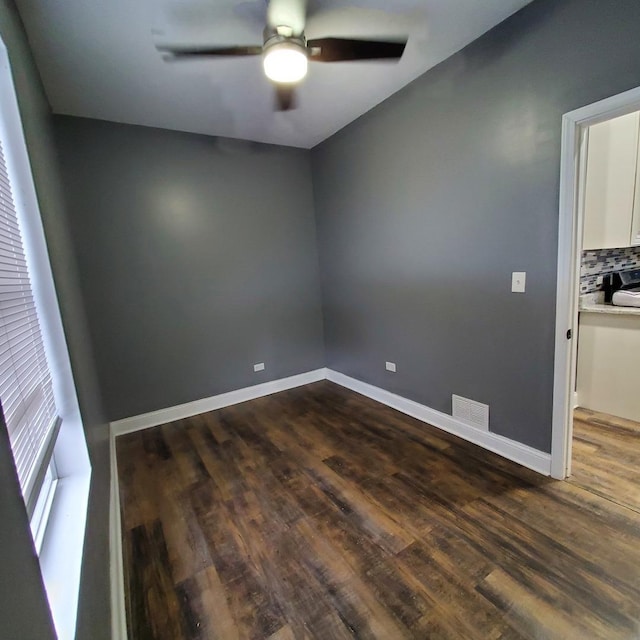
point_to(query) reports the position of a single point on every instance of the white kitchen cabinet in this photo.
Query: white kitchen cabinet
(608, 355)
(635, 222)
(610, 188)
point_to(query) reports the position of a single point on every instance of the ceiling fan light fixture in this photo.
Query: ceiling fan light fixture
(285, 62)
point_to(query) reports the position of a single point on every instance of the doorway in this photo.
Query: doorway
(574, 163)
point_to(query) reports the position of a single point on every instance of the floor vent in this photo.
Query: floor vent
(474, 413)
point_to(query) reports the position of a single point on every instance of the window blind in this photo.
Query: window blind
(25, 382)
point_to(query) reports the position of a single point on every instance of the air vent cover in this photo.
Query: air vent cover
(473, 413)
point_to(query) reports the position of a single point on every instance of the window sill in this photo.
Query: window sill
(61, 555)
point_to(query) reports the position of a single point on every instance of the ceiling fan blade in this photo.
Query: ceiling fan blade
(206, 14)
(285, 98)
(345, 49)
(189, 52)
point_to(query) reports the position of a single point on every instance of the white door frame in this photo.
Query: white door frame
(572, 165)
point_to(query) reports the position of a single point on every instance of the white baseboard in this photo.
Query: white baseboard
(507, 448)
(181, 411)
(116, 561)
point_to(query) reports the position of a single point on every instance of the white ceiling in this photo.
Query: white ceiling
(98, 59)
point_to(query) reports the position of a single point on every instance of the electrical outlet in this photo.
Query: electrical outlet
(518, 281)
(258, 367)
(390, 366)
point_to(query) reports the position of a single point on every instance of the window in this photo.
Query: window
(59, 508)
(25, 382)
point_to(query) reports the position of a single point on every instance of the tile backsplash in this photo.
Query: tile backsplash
(596, 262)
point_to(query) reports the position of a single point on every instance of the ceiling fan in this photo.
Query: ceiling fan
(286, 51)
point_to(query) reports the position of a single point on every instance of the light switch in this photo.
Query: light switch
(518, 281)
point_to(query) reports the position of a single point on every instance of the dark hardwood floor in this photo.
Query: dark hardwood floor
(606, 456)
(318, 513)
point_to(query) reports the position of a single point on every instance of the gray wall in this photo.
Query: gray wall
(197, 258)
(24, 612)
(428, 203)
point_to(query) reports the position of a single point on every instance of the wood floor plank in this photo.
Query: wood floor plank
(319, 514)
(255, 613)
(283, 634)
(138, 497)
(187, 548)
(606, 456)
(447, 583)
(188, 465)
(534, 616)
(582, 583)
(154, 609)
(347, 496)
(204, 599)
(578, 529)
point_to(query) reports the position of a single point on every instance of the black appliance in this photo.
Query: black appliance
(620, 280)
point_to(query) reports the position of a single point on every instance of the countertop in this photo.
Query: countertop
(594, 303)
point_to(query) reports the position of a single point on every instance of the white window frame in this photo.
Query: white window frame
(42, 507)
